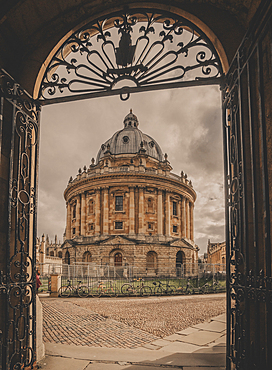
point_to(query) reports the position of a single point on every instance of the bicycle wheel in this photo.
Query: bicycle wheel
(171, 289)
(93, 291)
(127, 289)
(145, 291)
(83, 291)
(158, 290)
(113, 291)
(64, 291)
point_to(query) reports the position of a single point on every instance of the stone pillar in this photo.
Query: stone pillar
(187, 219)
(167, 214)
(68, 222)
(106, 210)
(141, 210)
(78, 215)
(131, 211)
(191, 221)
(160, 230)
(183, 217)
(97, 212)
(83, 214)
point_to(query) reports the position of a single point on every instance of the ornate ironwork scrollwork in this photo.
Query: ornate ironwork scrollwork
(155, 48)
(19, 281)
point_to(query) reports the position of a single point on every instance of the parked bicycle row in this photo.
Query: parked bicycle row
(139, 287)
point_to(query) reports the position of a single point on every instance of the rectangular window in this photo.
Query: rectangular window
(91, 227)
(118, 225)
(175, 211)
(175, 229)
(74, 230)
(119, 203)
(150, 226)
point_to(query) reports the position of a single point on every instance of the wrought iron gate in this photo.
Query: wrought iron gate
(19, 137)
(247, 102)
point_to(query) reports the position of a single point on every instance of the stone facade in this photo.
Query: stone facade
(216, 253)
(128, 208)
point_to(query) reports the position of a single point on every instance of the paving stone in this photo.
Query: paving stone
(188, 331)
(215, 326)
(193, 359)
(60, 363)
(221, 318)
(151, 346)
(203, 368)
(173, 337)
(201, 338)
(103, 366)
(180, 347)
(161, 342)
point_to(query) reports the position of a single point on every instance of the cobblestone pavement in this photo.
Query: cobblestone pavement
(66, 323)
(160, 316)
(123, 322)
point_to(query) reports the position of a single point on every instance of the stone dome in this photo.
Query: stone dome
(130, 140)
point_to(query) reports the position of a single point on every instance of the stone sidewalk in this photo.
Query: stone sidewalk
(201, 347)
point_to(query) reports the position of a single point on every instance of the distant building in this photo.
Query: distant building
(128, 208)
(216, 253)
(48, 255)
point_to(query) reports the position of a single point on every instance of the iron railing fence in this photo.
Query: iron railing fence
(89, 269)
(188, 279)
(209, 283)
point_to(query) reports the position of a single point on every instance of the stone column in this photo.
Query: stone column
(191, 221)
(131, 211)
(141, 210)
(78, 215)
(83, 214)
(68, 222)
(97, 212)
(160, 230)
(187, 219)
(167, 213)
(106, 211)
(183, 217)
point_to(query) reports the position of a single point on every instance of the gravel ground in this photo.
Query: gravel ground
(160, 316)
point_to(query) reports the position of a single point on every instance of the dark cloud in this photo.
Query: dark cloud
(185, 122)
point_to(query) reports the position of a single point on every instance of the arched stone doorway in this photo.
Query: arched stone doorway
(151, 262)
(180, 264)
(247, 98)
(67, 258)
(118, 259)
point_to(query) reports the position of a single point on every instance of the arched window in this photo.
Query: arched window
(67, 258)
(149, 205)
(180, 258)
(60, 254)
(91, 206)
(87, 257)
(118, 259)
(51, 254)
(74, 211)
(151, 260)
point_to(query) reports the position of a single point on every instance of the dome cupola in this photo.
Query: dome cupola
(130, 140)
(131, 120)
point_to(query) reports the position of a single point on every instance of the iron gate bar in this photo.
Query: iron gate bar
(129, 90)
(249, 285)
(19, 281)
(142, 64)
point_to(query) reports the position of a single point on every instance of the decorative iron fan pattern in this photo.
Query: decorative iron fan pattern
(148, 50)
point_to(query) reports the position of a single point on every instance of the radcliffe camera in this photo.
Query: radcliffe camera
(135, 183)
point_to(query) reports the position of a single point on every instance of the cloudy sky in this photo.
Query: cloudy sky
(185, 122)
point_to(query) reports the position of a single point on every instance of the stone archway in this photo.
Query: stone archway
(247, 122)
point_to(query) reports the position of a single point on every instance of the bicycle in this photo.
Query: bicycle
(67, 290)
(103, 289)
(189, 289)
(163, 288)
(129, 289)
